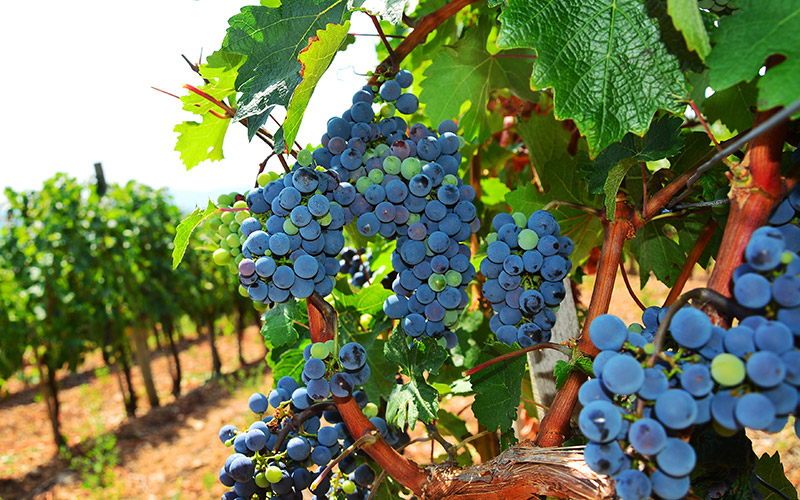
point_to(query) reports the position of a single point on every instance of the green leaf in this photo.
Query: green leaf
(561, 372)
(744, 41)
(563, 181)
(545, 138)
(278, 328)
(462, 76)
(450, 425)
(415, 400)
(287, 360)
(686, 18)
(770, 469)
(493, 191)
(185, 229)
(584, 364)
(314, 60)
(387, 10)
(198, 142)
(658, 252)
(272, 39)
(609, 168)
(368, 300)
(498, 388)
(733, 106)
(605, 60)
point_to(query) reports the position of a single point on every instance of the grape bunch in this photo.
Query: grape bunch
(350, 369)
(355, 263)
(293, 237)
(402, 183)
(277, 451)
(229, 251)
(526, 262)
(636, 412)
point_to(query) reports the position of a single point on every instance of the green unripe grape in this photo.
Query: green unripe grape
(224, 231)
(348, 487)
(450, 318)
(241, 216)
(528, 239)
(391, 165)
(274, 474)
(325, 220)
(233, 240)
(636, 328)
(410, 167)
(289, 227)
(259, 306)
(370, 410)
(242, 238)
(412, 218)
(437, 282)
(363, 183)
(554, 308)
(376, 176)
(221, 257)
(238, 256)
(461, 141)
(365, 321)
(330, 344)
(649, 348)
(727, 369)
(319, 350)
(723, 431)
(491, 238)
(453, 278)
(787, 257)
(520, 219)
(234, 226)
(381, 148)
(388, 110)
(304, 157)
(263, 179)
(227, 217)
(215, 223)
(240, 204)
(242, 291)
(224, 245)
(370, 153)
(261, 480)
(233, 268)
(235, 252)
(428, 251)
(450, 179)
(224, 200)
(374, 88)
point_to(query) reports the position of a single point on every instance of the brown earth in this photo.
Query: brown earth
(173, 452)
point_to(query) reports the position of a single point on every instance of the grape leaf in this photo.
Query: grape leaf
(662, 140)
(314, 60)
(185, 229)
(493, 191)
(605, 60)
(287, 360)
(272, 39)
(498, 389)
(733, 106)
(200, 141)
(744, 41)
(561, 371)
(278, 329)
(416, 399)
(368, 300)
(563, 181)
(656, 252)
(545, 138)
(387, 10)
(687, 19)
(451, 425)
(770, 469)
(467, 73)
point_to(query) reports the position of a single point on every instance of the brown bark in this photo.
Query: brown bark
(49, 387)
(142, 352)
(216, 363)
(169, 328)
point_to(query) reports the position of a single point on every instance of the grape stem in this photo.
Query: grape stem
(705, 125)
(301, 417)
(771, 487)
(691, 260)
(469, 439)
(392, 56)
(367, 439)
(433, 432)
(543, 345)
(628, 285)
(704, 295)
(375, 485)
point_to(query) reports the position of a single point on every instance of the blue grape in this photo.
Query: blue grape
(647, 436)
(608, 332)
(600, 421)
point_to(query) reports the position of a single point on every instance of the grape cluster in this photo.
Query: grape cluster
(343, 375)
(276, 453)
(226, 225)
(526, 262)
(355, 263)
(293, 237)
(402, 183)
(745, 377)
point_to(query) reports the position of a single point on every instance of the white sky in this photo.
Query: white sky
(76, 84)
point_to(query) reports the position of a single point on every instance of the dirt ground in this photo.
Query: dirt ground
(172, 452)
